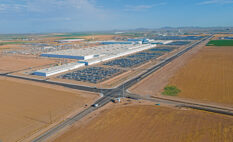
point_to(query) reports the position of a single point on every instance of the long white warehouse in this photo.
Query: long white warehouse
(58, 69)
(90, 56)
(114, 54)
(92, 52)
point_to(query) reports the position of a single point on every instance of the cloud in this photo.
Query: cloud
(141, 7)
(49, 7)
(208, 2)
(4, 8)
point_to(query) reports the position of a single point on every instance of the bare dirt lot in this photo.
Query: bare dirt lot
(27, 107)
(16, 63)
(150, 123)
(208, 76)
(99, 37)
(153, 84)
(217, 36)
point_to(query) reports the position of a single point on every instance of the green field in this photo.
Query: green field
(171, 91)
(220, 43)
(72, 35)
(7, 43)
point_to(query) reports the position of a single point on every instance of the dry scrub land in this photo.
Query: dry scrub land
(16, 63)
(153, 84)
(149, 123)
(27, 107)
(205, 75)
(208, 76)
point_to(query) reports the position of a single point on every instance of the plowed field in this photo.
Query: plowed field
(16, 63)
(208, 76)
(27, 108)
(147, 123)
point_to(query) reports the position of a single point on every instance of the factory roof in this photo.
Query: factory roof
(61, 67)
(97, 50)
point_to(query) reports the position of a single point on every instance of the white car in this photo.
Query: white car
(96, 105)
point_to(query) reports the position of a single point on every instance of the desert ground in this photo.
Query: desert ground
(11, 46)
(153, 84)
(99, 37)
(150, 123)
(204, 74)
(28, 107)
(208, 76)
(20, 62)
(217, 36)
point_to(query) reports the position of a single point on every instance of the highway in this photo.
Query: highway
(72, 86)
(183, 103)
(110, 94)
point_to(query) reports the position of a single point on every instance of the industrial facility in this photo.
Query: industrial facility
(116, 42)
(69, 40)
(58, 69)
(90, 56)
(160, 41)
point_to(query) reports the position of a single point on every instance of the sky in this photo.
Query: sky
(39, 16)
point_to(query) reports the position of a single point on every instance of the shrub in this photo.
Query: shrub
(171, 91)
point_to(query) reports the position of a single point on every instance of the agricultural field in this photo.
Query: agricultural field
(150, 123)
(27, 107)
(98, 37)
(218, 36)
(220, 43)
(153, 84)
(208, 76)
(14, 42)
(16, 63)
(205, 73)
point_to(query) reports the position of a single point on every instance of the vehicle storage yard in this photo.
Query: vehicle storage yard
(92, 74)
(128, 66)
(149, 123)
(27, 107)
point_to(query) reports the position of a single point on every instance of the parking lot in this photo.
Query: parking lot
(115, 67)
(179, 43)
(139, 58)
(92, 74)
(178, 37)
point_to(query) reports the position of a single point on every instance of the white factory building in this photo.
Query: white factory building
(69, 40)
(58, 69)
(90, 56)
(161, 41)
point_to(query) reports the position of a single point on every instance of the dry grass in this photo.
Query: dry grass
(149, 123)
(153, 84)
(208, 76)
(27, 108)
(217, 36)
(99, 37)
(16, 63)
